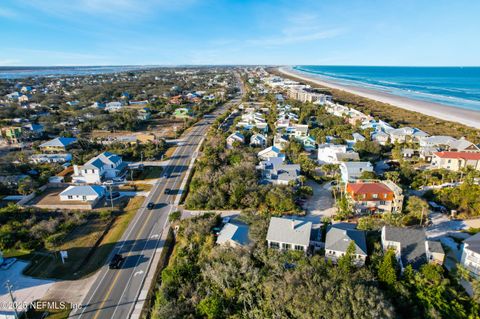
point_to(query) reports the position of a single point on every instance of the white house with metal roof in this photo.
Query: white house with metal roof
(234, 234)
(106, 166)
(289, 234)
(86, 193)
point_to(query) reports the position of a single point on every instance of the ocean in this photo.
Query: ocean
(454, 86)
(20, 72)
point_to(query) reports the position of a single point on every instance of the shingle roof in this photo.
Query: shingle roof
(339, 238)
(412, 244)
(473, 243)
(435, 246)
(289, 230)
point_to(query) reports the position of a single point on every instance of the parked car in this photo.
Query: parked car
(116, 262)
(167, 191)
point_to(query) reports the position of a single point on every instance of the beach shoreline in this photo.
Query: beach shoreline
(440, 111)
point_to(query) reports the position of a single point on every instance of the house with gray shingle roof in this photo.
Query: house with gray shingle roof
(338, 239)
(289, 234)
(409, 244)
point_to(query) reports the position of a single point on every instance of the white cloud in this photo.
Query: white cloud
(9, 62)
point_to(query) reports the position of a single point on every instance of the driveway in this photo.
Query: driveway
(444, 226)
(321, 204)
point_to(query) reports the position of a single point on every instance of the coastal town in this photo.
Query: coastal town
(249, 184)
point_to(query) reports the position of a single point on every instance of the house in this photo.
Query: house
(113, 106)
(307, 142)
(410, 245)
(356, 137)
(73, 103)
(351, 171)
(12, 134)
(289, 234)
(144, 114)
(406, 134)
(98, 105)
(297, 130)
(275, 171)
(51, 158)
(34, 130)
(280, 142)
(338, 239)
(106, 166)
(58, 144)
(471, 255)
(435, 252)
(440, 141)
(270, 152)
(182, 112)
(88, 193)
(233, 138)
(375, 197)
(462, 145)
(234, 234)
(258, 140)
(380, 137)
(455, 161)
(333, 154)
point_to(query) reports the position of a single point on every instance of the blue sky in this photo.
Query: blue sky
(171, 32)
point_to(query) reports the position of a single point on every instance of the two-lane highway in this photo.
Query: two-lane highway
(115, 292)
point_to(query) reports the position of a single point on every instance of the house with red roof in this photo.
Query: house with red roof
(375, 197)
(455, 161)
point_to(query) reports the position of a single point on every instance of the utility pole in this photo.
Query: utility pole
(111, 198)
(421, 218)
(10, 287)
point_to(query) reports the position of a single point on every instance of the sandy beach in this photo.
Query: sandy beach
(444, 112)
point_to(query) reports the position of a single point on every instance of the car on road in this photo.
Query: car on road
(150, 205)
(167, 191)
(165, 175)
(116, 261)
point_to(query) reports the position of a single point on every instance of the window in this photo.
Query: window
(84, 197)
(70, 197)
(274, 245)
(299, 247)
(385, 195)
(286, 246)
(375, 195)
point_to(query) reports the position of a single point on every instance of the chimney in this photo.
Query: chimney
(293, 223)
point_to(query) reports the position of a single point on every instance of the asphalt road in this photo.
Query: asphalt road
(114, 292)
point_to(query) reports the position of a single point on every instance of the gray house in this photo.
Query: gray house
(339, 237)
(289, 234)
(410, 245)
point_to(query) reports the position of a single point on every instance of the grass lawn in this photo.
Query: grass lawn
(88, 246)
(150, 172)
(136, 187)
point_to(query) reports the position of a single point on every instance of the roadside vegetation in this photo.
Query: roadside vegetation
(39, 236)
(208, 281)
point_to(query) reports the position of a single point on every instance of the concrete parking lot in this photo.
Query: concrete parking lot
(25, 289)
